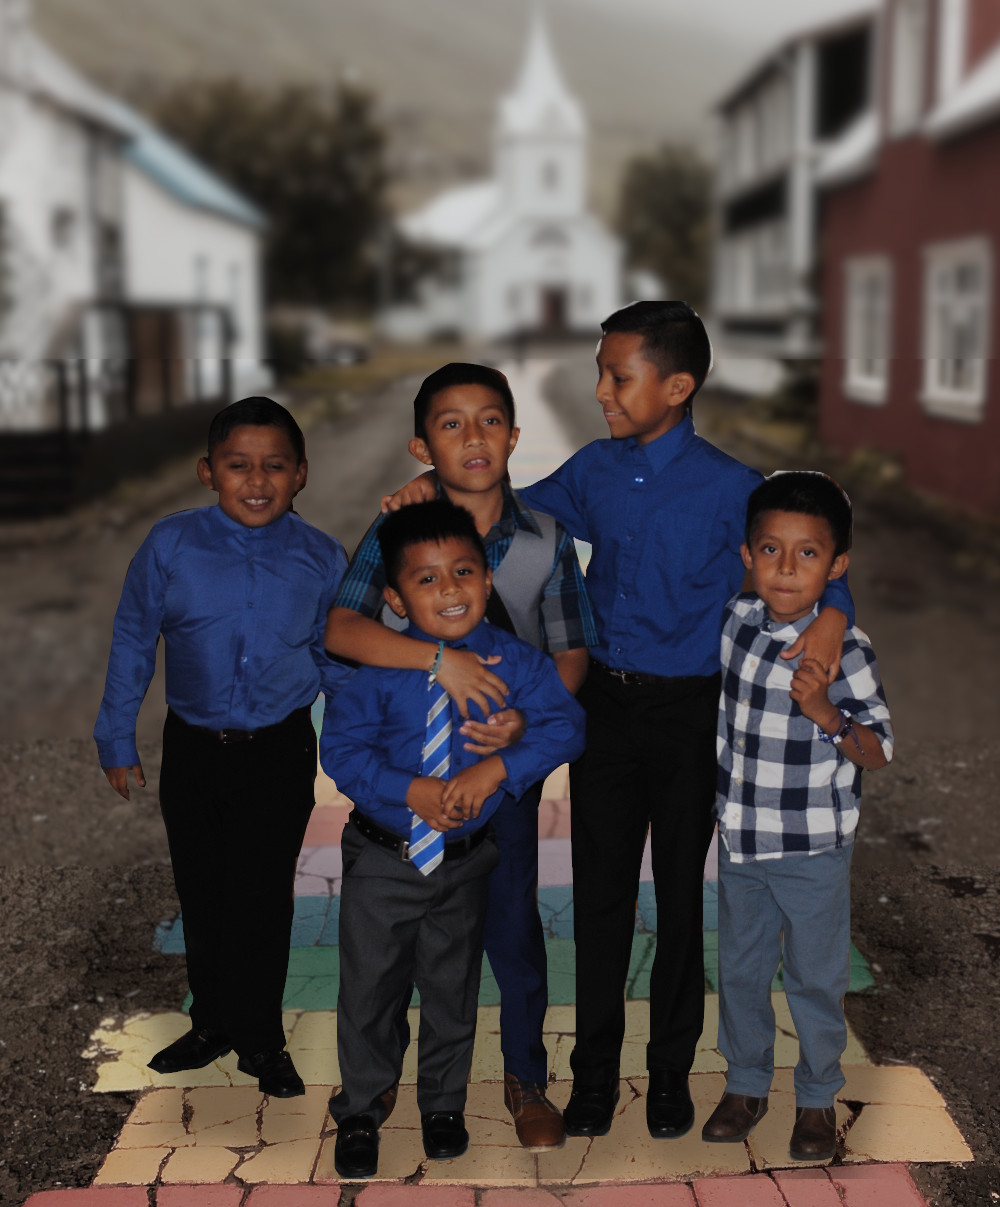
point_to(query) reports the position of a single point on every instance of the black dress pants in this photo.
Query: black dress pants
(649, 766)
(236, 814)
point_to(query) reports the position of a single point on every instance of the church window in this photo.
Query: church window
(549, 236)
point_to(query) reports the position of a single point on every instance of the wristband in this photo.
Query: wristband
(845, 727)
(436, 664)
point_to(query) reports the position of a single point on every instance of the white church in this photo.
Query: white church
(523, 254)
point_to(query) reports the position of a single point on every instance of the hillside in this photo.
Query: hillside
(437, 66)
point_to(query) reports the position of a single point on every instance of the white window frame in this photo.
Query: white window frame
(955, 385)
(867, 328)
(952, 36)
(908, 79)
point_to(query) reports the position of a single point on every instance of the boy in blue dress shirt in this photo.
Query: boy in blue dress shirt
(791, 750)
(240, 593)
(391, 741)
(664, 511)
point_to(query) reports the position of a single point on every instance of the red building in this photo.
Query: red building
(910, 233)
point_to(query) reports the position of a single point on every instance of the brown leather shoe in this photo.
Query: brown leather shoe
(388, 1100)
(538, 1124)
(734, 1118)
(814, 1136)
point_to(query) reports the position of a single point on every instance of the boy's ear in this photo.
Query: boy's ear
(205, 473)
(839, 566)
(745, 554)
(418, 448)
(512, 442)
(489, 582)
(680, 387)
(395, 601)
(301, 474)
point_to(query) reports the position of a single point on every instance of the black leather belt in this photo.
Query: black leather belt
(454, 848)
(632, 678)
(230, 736)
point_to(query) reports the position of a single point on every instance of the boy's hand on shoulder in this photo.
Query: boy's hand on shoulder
(467, 792)
(425, 799)
(117, 777)
(823, 640)
(464, 676)
(500, 729)
(420, 490)
(808, 690)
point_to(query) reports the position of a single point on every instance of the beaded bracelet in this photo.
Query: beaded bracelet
(846, 727)
(436, 665)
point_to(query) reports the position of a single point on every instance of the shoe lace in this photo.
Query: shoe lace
(532, 1092)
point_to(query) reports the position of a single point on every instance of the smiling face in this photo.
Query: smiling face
(442, 587)
(256, 474)
(791, 557)
(635, 399)
(469, 439)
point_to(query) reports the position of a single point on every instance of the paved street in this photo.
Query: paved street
(926, 895)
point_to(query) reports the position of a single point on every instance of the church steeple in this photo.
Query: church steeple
(540, 136)
(540, 101)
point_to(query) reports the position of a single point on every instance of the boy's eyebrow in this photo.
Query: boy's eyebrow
(487, 406)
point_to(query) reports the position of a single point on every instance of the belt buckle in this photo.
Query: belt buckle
(228, 737)
(404, 851)
(620, 673)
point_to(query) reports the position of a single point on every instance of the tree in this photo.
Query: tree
(665, 219)
(312, 160)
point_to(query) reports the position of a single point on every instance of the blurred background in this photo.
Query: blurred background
(325, 199)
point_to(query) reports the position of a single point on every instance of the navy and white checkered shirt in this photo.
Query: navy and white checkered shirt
(781, 791)
(566, 618)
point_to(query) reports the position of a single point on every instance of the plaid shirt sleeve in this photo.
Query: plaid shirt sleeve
(361, 588)
(567, 618)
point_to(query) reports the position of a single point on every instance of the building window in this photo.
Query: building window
(63, 228)
(909, 55)
(957, 288)
(868, 293)
(549, 236)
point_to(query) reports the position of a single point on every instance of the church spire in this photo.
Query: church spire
(540, 101)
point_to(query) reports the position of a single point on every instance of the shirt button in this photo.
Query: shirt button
(630, 536)
(745, 702)
(249, 604)
(739, 779)
(622, 595)
(640, 480)
(752, 664)
(243, 659)
(740, 743)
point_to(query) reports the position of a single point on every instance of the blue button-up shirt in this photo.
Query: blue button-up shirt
(666, 521)
(242, 613)
(373, 734)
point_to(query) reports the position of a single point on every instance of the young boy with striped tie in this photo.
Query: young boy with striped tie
(417, 850)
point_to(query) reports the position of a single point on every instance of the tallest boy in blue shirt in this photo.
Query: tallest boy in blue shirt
(664, 512)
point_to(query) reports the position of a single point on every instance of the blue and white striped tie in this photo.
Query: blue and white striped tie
(427, 845)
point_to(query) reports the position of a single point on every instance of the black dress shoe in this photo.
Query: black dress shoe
(590, 1109)
(444, 1134)
(192, 1051)
(275, 1073)
(669, 1109)
(355, 1154)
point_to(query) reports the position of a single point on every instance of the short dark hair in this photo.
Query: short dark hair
(807, 493)
(674, 338)
(256, 411)
(436, 520)
(459, 373)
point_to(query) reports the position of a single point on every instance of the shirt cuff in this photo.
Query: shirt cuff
(392, 785)
(120, 753)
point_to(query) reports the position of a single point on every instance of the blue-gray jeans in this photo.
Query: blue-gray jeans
(795, 910)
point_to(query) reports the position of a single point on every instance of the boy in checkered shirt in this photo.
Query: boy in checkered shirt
(791, 750)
